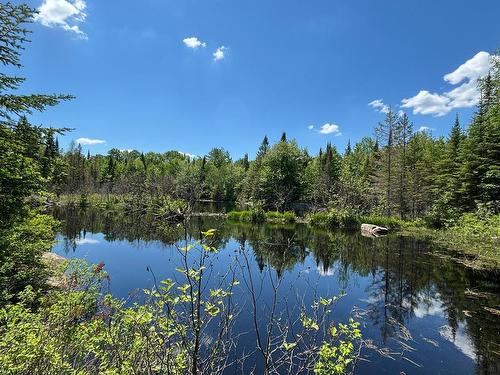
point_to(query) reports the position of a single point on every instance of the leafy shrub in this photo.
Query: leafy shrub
(21, 249)
(390, 222)
(289, 217)
(337, 359)
(319, 219)
(234, 215)
(470, 224)
(279, 217)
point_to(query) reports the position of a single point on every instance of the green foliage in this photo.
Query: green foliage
(287, 217)
(21, 249)
(475, 224)
(276, 178)
(400, 172)
(337, 359)
(27, 156)
(333, 219)
(77, 331)
(384, 221)
(255, 216)
(258, 215)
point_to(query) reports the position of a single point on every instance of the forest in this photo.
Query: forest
(447, 188)
(396, 172)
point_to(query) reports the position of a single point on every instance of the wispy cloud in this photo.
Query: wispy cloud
(64, 14)
(379, 106)
(219, 53)
(89, 141)
(193, 42)
(464, 96)
(310, 127)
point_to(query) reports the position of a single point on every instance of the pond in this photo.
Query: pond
(430, 315)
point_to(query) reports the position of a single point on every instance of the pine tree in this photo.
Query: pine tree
(144, 163)
(402, 134)
(49, 156)
(480, 172)
(385, 134)
(283, 137)
(449, 180)
(246, 163)
(264, 147)
(348, 149)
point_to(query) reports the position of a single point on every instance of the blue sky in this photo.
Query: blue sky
(147, 75)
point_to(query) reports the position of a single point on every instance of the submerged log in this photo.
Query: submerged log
(372, 230)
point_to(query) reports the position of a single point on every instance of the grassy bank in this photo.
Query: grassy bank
(261, 216)
(347, 220)
(471, 240)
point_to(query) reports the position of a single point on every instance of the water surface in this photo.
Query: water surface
(393, 284)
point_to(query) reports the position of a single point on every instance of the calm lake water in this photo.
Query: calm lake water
(393, 285)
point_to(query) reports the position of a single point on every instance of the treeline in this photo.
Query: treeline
(399, 171)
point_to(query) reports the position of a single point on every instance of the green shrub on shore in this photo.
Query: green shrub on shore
(390, 222)
(287, 217)
(259, 216)
(344, 219)
(21, 249)
(254, 216)
(471, 224)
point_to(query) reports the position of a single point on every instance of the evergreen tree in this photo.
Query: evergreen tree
(246, 163)
(348, 148)
(385, 135)
(264, 147)
(402, 134)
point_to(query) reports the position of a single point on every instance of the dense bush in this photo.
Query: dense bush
(281, 217)
(471, 224)
(21, 249)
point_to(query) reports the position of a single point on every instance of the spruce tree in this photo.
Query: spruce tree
(385, 135)
(283, 137)
(264, 147)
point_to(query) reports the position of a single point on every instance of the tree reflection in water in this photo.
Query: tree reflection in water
(405, 280)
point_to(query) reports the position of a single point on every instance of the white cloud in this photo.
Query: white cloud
(425, 129)
(310, 127)
(330, 129)
(379, 106)
(464, 96)
(85, 241)
(460, 339)
(89, 141)
(64, 14)
(426, 103)
(219, 53)
(193, 42)
(474, 68)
